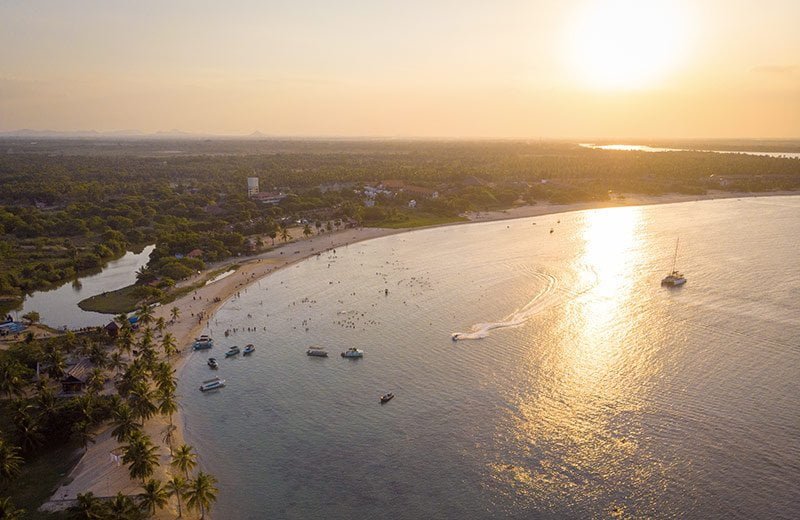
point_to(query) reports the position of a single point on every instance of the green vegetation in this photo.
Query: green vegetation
(37, 451)
(113, 302)
(68, 206)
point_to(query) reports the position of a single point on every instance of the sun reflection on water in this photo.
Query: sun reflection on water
(573, 423)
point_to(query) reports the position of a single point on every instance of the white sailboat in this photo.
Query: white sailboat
(675, 278)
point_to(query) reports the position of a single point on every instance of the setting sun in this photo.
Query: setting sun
(625, 44)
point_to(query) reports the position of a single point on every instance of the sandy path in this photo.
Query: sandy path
(98, 473)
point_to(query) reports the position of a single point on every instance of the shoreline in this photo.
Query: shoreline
(96, 472)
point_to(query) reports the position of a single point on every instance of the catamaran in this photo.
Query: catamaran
(675, 278)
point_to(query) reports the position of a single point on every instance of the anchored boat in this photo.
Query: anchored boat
(316, 351)
(232, 351)
(212, 363)
(353, 352)
(203, 342)
(385, 398)
(212, 384)
(248, 349)
(675, 278)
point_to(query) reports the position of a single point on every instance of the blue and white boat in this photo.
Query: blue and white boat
(203, 342)
(212, 384)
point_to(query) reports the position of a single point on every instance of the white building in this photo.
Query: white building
(252, 186)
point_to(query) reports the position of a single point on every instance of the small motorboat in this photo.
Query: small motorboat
(353, 352)
(248, 349)
(455, 336)
(212, 384)
(316, 351)
(232, 351)
(212, 363)
(385, 398)
(203, 342)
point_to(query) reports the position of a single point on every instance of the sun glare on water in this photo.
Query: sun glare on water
(626, 44)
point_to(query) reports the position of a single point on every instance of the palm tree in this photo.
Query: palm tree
(58, 363)
(8, 511)
(140, 455)
(176, 486)
(27, 425)
(96, 381)
(11, 378)
(307, 231)
(169, 433)
(125, 340)
(116, 363)
(122, 321)
(184, 460)
(201, 493)
(161, 324)
(164, 376)
(168, 344)
(174, 313)
(10, 461)
(167, 404)
(145, 315)
(124, 422)
(140, 399)
(88, 507)
(123, 507)
(285, 235)
(153, 496)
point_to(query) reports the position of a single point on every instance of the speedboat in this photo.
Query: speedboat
(203, 342)
(232, 351)
(316, 351)
(212, 363)
(353, 352)
(248, 349)
(385, 398)
(212, 384)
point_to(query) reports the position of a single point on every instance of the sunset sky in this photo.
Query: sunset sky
(425, 68)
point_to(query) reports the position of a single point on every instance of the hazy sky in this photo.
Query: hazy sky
(489, 68)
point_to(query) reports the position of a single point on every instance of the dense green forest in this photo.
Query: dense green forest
(70, 205)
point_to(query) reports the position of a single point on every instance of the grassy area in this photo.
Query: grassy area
(416, 221)
(112, 302)
(39, 479)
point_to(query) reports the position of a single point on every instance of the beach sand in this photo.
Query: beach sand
(99, 473)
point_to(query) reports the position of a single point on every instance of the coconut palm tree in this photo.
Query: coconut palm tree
(164, 376)
(168, 344)
(27, 425)
(116, 363)
(9, 512)
(153, 496)
(12, 380)
(167, 404)
(140, 455)
(10, 461)
(174, 313)
(285, 235)
(307, 231)
(184, 460)
(123, 507)
(96, 381)
(124, 422)
(145, 315)
(161, 324)
(125, 340)
(140, 399)
(168, 435)
(201, 493)
(176, 487)
(88, 507)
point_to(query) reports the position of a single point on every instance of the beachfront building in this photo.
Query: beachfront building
(76, 377)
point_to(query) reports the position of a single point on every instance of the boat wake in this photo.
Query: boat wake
(544, 299)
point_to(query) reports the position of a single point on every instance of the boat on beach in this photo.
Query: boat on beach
(675, 278)
(385, 398)
(353, 352)
(212, 363)
(203, 342)
(212, 384)
(232, 351)
(248, 349)
(316, 351)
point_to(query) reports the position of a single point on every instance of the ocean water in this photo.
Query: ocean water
(589, 391)
(642, 148)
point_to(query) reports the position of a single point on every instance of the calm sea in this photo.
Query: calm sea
(593, 392)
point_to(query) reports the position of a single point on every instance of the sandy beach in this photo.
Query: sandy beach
(99, 473)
